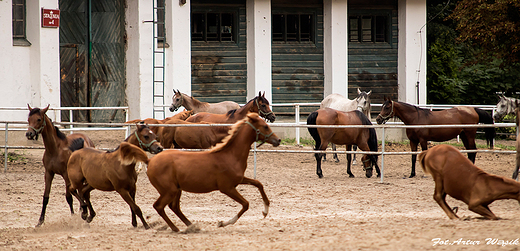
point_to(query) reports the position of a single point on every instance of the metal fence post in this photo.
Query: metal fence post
(71, 120)
(5, 150)
(254, 157)
(297, 121)
(383, 154)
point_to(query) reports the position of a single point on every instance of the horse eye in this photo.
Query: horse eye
(146, 136)
(39, 120)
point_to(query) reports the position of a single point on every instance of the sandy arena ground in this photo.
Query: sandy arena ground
(306, 213)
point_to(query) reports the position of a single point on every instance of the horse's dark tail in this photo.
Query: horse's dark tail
(311, 120)
(372, 139)
(486, 118)
(76, 144)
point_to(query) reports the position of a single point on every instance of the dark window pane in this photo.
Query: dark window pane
(160, 20)
(278, 24)
(226, 29)
(18, 18)
(380, 29)
(18, 12)
(197, 27)
(292, 27)
(353, 29)
(366, 29)
(213, 24)
(306, 24)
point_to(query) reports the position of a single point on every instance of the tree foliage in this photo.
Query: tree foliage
(491, 25)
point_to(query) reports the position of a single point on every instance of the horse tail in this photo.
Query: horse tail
(130, 154)
(486, 118)
(421, 156)
(311, 120)
(372, 138)
(76, 144)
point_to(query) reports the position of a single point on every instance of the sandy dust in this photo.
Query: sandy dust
(306, 213)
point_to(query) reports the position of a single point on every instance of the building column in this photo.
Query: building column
(259, 66)
(139, 80)
(44, 58)
(178, 54)
(412, 51)
(335, 47)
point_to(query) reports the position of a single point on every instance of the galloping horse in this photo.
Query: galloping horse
(413, 115)
(190, 103)
(455, 175)
(221, 168)
(505, 106)
(259, 105)
(364, 138)
(90, 169)
(56, 153)
(340, 103)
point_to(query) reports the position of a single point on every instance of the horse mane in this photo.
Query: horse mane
(231, 135)
(372, 139)
(34, 111)
(231, 113)
(60, 135)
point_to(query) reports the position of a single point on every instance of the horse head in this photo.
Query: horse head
(363, 102)
(368, 165)
(177, 101)
(504, 107)
(387, 111)
(262, 104)
(263, 131)
(147, 139)
(36, 122)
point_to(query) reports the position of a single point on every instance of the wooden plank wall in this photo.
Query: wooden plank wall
(219, 69)
(297, 68)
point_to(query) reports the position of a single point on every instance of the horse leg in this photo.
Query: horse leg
(233, 194)
(85, 193)
(175, 206)
(440, 197)
(483, 210)
(468, 139)
(318, 157)
(335, 155)
(68, 195)
(413, 147)
(349, 158)
(257, 184)
(159, 205)
(49, 176)
(129, 196)
(354, 159)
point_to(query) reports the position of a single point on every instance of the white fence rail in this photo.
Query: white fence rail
(296, 125)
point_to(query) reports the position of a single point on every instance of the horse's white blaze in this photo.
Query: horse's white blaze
(266, 209)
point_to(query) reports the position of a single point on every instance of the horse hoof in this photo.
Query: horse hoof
(320, 176)
(337, 161)
(354, 162)
(351, 176)
(39, 224)
(146, 226)
(220, 224)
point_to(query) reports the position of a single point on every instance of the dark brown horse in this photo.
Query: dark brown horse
(222, 168)
(196, 137)
(364, 138)
(413, 115)
(56, 153)
(457, 176)
(190, 103)
(90, 169)
(145, 138)
(517, 110)
(259, 105)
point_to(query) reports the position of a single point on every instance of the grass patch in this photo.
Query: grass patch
(13, 157)
(303, 142)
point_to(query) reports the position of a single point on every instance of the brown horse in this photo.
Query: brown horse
(197, 137)
(259, 105)
(458, 177)
(190, 103)
(181, 115)
(221, 168)
(145, 138)
(90, 169)
(56, 152)
(364, 138)
(413, 115)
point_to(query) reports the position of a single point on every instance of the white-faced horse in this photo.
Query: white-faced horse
(340, 103)
(505, 106)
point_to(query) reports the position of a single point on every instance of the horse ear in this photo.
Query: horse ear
(358, 91)
(370, 92)
(30, 108)
(44, 110)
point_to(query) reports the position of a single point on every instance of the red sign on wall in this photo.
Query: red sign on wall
(50, 18)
